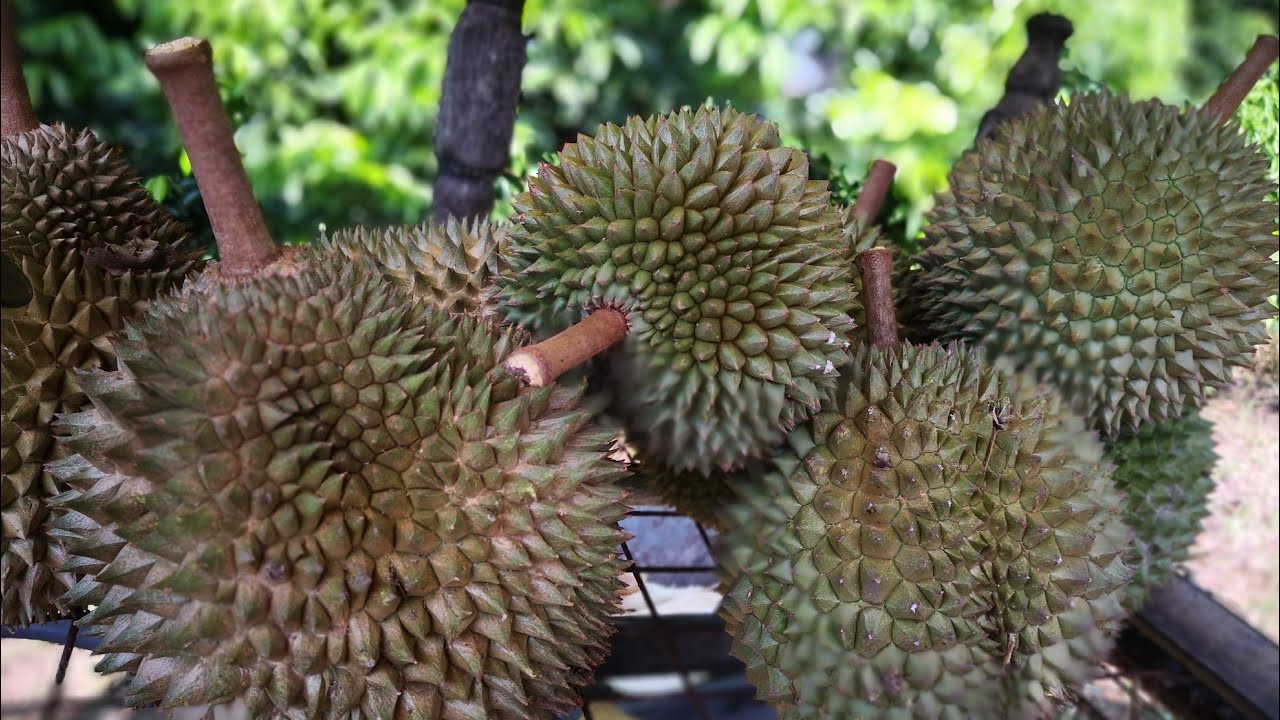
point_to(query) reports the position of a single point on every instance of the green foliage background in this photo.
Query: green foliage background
(335, 103)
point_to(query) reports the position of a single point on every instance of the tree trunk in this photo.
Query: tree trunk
(478, 106)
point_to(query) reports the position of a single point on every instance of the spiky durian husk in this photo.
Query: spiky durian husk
(89, 244)
(315, 494)
(1166, 471)
(1118, 249)
(727, 260)
(891, 572)
(453, 264)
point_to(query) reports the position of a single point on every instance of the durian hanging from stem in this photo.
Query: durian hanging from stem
(184, 68)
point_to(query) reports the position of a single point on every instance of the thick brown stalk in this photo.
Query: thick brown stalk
(539, 365)
(1233, 90)
(874, 191)
(185, 70)
(16, 114)
(478, 106)
(876, 267)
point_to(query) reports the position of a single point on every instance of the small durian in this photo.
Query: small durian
(82, 246)
(1166, 474)
(1120, 250)
(452, 263)
(940, 528)
(306, 490)
(701, 243)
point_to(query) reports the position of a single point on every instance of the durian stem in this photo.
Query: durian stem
(539, 365)
(16, 113)
(874, 191)
(184, 68)
(1233, 90)
(876, 267)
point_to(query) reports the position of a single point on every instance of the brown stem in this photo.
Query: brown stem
(16, 114)
(874, 191)
(539, 365)
(1233, 90)
(185, 70)
(876, 267)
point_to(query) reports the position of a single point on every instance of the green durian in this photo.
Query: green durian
(309, 491)
(939, 531)
(1118, 249)
(726, 260)
(84, 244)
(452, 263)
(1166, 472)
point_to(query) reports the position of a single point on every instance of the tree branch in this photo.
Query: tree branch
(478, 106)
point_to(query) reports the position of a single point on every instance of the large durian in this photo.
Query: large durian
(453, 263)
(342, 503)
(725, 259)
(309, 491)
(84, 244)
(940, 529)
(1166, 473)
(1118, 249)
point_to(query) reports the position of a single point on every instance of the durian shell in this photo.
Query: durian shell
(1118, 249)
(453, 263)
(91, 246)
(726, 258)
(311, 492)
(1166, 473)
(833, 622)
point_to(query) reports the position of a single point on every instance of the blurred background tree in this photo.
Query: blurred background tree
(335, 103)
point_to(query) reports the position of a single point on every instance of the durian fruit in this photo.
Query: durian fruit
(1118, 249)
(309, 491)
(725, 260)
(1166, 472)
(453, 263)
(923, 551)
(344, 505)
(83, 244)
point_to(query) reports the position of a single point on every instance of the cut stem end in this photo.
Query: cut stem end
(184, 68)
(1233, 90)
(539, 365)
(876, 267)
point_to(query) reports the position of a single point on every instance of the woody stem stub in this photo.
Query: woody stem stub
(1233, 90)
(874, 191)
(876, 268)
(539, 365)
(185, 70)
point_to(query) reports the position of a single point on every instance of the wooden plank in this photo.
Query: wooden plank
(1199, 658)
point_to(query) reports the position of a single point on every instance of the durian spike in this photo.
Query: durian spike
(874, 191)
(539, 365)
(1233, 90)
(184, 68)
(876, 267)
(16, 114)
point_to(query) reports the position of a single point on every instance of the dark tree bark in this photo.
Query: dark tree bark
(1035, 78)
(478, 106)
